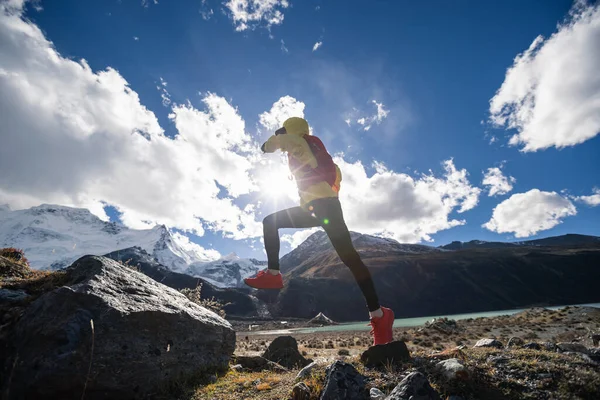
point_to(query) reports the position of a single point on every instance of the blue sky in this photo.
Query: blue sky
(433, 67)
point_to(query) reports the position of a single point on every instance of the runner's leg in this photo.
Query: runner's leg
(330, 215)
(295, 217)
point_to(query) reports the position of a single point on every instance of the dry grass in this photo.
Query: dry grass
(253, 385)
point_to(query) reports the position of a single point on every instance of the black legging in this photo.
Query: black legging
(326, 213)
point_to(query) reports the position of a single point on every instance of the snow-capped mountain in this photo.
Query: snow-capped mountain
(55, 236)
(229, 271)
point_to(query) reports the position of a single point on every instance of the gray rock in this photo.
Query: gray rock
(455, 398)
(258, 363)
(549, 346)
(498, 360)
(300, 392)
(134, 334)
(572, 347)
(489, 343)
(284, 351)
(594, 354)
(532, 346)
(414, 387)
(306, 371)
(453, 369)
(237, 368)
(12, 295)
(384, 354)
(376, 394)
(515, 341)
(344, 382)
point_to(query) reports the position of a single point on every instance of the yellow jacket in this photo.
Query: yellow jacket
(294, 145)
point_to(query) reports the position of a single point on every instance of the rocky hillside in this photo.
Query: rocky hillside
(438, 281)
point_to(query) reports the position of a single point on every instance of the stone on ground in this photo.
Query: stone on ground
(258, 363)
(572, 347)
(300, 392)
(135, 334)
(306, 371)
(284, 351)
(414, 387)
(514, 341)
(344, 382)
(376, 394)
(489, 343)
(532, 346)
(453, 369)
(384, 354)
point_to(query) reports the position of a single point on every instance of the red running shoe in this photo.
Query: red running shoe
(265, 280)
(382, 327)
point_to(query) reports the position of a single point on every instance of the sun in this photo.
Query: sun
(276, 184)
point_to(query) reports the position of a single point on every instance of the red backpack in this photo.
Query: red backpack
(326, 170)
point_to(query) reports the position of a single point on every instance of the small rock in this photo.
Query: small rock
(532, 346)
(414, 387)
(237, 368)
(384, 354)
(344, 382)
(376, 394)
(498, 360)
(12, 295)
(596, 339)
(300, 392)
(455, 398)
(489, 343)
(594, 354)
(453, 369)
(258, 363)
(544, 376)
(572, 347)
(549, 346)
(514, 342)
(284, 350)
(305, 372)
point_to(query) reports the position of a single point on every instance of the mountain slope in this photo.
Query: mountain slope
(55, 236)
(440, 282)
(564, 240)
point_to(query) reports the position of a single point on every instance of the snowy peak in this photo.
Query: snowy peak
(54, 236)
(229, 271)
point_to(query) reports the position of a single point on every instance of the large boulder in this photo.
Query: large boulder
(111, 332)
(414, 387)
(385, 354)
(344, 382)
(284, 351)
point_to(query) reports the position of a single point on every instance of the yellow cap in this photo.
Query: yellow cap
(296, 126)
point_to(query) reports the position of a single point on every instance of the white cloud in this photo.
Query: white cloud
(283, 48)
(136, 38)
(368, 121)
(281, 110)
(317, 46)
(526, 214)
(497, 182)
(295, 239)
(551, 94)
(164, 93)
(591, 200)
(206, 11)
(77, 137)
(402, 207)
(249, 14)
